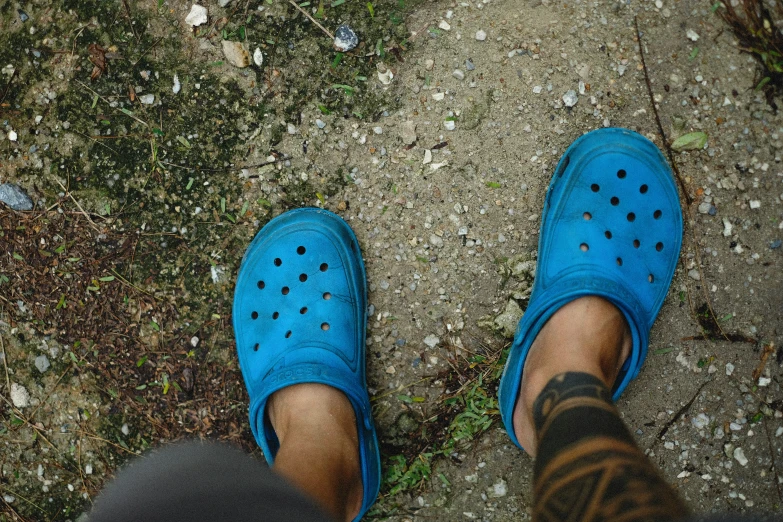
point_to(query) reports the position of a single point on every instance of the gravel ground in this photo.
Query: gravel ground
(443, 182)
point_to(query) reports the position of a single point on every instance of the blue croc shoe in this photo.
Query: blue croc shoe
(300, 317)
(611, 227)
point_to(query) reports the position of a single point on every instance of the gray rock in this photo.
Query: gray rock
(469, 65)
(223, 3)
(408, 133)
(508, 320)
(458, 74)
(345, 39)
(13, 196)
(436, 241)
(19, 395)
(431, 340)
(42, 363)
(570, 98)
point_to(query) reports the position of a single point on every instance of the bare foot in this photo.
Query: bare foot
(587, 335)
(319, 446)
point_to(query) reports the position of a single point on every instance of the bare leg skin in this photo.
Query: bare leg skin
(588, 466)
(319, 446)
(587, 335)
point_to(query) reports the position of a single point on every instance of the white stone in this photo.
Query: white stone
(444, 25)
(176, 87)
(729, 369)
(194, 341)
(432, 340)
(764, 381)
(458, 74)
(429, 64)
(197, 16)
(498, 489)
(754, 203)
(125, 430)
(88, 469)
(438, 96)
(427, 157)
(727, 227)
(449, 125)
(147, 99)
(377, 130)
(570, 98)
(12, 135)
(385, 75)
(700, 421)
(258, 57)
(692, 35)
(481, 35)
(19, 395)
(537, 89)
(779, 432)
(436, 241)
(223, 3)
(291, 128)
(739, 455)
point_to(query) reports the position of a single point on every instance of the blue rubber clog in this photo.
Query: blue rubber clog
(300, 317)
(611, 227)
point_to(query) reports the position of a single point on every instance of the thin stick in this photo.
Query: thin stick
(68, 193)
(330, 35)
(5, 363)
(669, 152)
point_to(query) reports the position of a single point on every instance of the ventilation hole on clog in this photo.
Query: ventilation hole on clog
(278, 261)
(325, 326)
(608, 234)
(327, 296)
(301, 250)
(261, 285)
(286, 290)
(288, 334)
(636, 243)
(650, 278)
(584, 247)
(275, 315)
(659, 246)
(303, 277)
(303, 310)
(324, 267)
(619, 261)
(631, 216)
(621, 173)
(615, 201)
(588, 216)
(255, 348)
(594, 187)
(643, 189)
(657, 214)
(254, 315)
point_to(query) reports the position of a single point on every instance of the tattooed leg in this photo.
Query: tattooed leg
(588, 466)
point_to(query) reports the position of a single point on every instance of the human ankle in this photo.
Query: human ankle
(588, 335)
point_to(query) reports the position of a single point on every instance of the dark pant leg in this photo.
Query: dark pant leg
(588, 466)
(195, 481)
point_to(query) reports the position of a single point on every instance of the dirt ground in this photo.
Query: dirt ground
(115, 291)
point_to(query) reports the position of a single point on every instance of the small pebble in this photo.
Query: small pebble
(449, 125)
(458, 74)
(42, 363)
(570, 98)
(481, 35)
(739, 455)
(147, 99)
(345, 39)
(431, 340)
(320, 124)
(469, 65)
